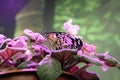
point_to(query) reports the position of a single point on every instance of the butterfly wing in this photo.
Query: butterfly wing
(61, 40)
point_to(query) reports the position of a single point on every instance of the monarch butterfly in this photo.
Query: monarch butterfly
(60, 40)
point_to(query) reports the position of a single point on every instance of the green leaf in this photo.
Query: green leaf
(49, 69)
(118, 66)
(111, 59)
(93, 60)
(27, 64)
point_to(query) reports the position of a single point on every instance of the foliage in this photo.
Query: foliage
(49, 67)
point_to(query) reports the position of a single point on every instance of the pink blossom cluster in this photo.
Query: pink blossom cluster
(70, 50)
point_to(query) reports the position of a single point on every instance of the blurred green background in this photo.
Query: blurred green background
(99, 22)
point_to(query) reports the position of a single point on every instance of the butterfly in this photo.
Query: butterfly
(60, 40)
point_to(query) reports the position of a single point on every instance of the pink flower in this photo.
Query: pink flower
(39, 38)
(9, 52)
(71, 30)
(3, 39)
(30, 34)
(104, 67)
(28, 55)
(40, 49)
(18, 43)
(36, 48)
(88, 49)
(34, 37)
(14, 46)
(80, 53)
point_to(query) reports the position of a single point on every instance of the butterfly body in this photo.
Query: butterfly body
(60, 40)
